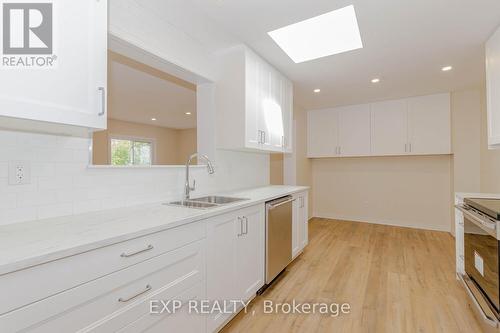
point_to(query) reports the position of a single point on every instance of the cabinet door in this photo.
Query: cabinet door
(389, 127)
(296, 241)
(72, 91)
(288, 116)
(304, 221)
(275, 112)
(354, 130)
(252, 96)
(250, 256)
(429, 124)
(493, 88)
(322, 133)
(222, 233)
(264, 101)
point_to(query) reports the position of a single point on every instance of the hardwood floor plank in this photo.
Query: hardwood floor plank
(395, 280)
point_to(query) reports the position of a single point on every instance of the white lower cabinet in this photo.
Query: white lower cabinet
(300, 235)
(119, 298)
(114, 288)
(235, 259)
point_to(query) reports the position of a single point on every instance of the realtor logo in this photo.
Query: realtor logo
(27, 28)
(27, 35)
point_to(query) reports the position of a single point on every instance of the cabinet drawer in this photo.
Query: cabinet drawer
(180, 321)
(166, 275)
(38, 282)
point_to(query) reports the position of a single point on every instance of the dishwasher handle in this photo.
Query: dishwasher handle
(271, 206)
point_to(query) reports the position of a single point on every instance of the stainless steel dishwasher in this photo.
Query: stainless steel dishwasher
(278, 236)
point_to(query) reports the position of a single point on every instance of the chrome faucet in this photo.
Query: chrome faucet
(210, 168)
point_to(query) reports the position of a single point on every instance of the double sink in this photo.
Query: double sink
(207, 202)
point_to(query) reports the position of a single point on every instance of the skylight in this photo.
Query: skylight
(324, 35)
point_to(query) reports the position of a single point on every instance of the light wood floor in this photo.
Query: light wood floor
(395, 279)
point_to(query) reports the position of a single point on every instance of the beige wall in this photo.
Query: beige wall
(186, 140)
(476, 168)
(466, 143)
(403, 191)
(490, 159)
(171, 146)
(303, 171)
(276, 169)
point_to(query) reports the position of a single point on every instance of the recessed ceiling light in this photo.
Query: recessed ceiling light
(324, 35)
(188, 113)
(375, 80)
(447, 68)
(317, 90)
(153, 119)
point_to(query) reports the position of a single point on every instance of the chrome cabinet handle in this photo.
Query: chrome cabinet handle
(406, 147)
(246, 225)
(410, 147)
(263, 136)
(128, 255)
(125, 300)
(240, 233)
(102, 90)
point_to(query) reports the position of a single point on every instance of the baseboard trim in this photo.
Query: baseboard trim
(388, 223)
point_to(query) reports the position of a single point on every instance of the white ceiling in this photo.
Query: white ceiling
(136, 95)
(405, 44)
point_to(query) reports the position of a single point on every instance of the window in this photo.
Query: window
(131, 151)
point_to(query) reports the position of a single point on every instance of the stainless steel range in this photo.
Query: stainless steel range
(481, 242)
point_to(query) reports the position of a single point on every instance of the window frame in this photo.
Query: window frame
(133, 139)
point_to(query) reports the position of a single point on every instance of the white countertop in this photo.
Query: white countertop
(464, 195)
(32, 243)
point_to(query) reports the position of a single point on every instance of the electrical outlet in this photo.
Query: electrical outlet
(19, 173)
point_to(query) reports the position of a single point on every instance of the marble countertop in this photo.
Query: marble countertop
(463, 195)
(32, 243)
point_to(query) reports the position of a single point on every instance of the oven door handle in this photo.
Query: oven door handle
(480, 223)
(487, 319)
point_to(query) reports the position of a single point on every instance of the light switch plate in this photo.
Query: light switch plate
(19, 172)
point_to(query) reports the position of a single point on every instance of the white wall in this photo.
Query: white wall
(402, 191)
(466, 134)
(61, 183)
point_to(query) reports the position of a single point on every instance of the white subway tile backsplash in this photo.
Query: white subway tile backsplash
(8, 216)
(37, 198)
(81, 207)
(8, 200)
(55, 183)
(4, 170)
(62, 184)
(45, 212)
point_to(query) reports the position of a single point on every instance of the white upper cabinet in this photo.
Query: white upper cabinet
(354, 130)
(322, 133)
(493, 89)
(413, 126)
(254, 104)
(429, 125)
(71, 91)
(389, 127)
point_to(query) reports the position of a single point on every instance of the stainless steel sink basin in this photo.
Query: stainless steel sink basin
(193, 204)
(207, 202)
(213, 199)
